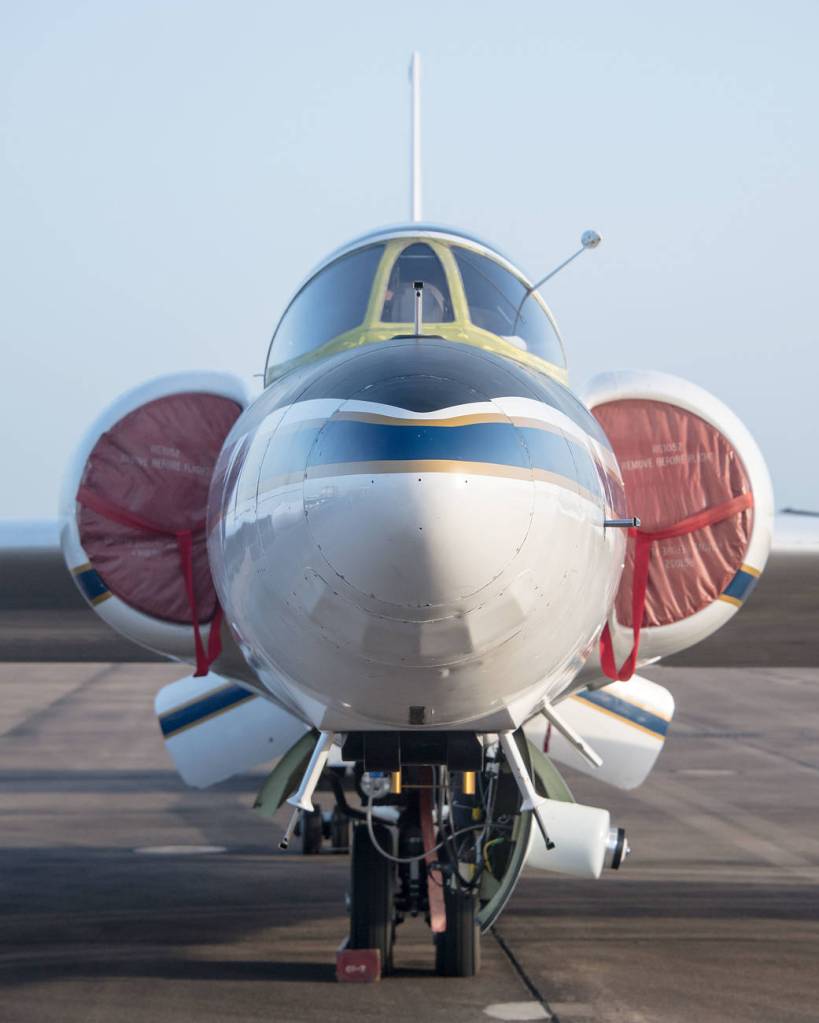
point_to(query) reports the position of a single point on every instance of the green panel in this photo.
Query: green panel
(285, 776)
(496, 892)
(551, 780)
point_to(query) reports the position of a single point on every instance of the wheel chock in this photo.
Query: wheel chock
(357, 965)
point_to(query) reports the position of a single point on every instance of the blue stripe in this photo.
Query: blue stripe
(221, 699)
(562, 455)
(341, 441)
(91, 584)
(349, 441)
(741, 585)
(624, 709)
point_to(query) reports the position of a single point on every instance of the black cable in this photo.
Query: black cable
(341, 799)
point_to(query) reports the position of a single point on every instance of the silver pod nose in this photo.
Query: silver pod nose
(617, 848)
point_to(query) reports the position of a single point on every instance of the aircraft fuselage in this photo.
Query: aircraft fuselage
(411, 533)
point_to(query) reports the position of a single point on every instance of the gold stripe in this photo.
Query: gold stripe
(465, 420)
(756, 572)
(294, 425)
(428, 465)
(102, 596)
(539, 424)
(385, 420)
(207, 717)
(620, 718)
(630, 702)
(544, 476)
(82, 568)
(418, 465)
(435, 465)
(455, 420)
(285, 480)
(730, 600)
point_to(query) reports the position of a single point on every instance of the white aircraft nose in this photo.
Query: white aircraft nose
(432, 540)
(418, 539)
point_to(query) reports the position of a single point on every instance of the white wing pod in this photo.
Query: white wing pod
(625, 723)
(138, 482)
(214, 728)
(687, 461)
(581, 836)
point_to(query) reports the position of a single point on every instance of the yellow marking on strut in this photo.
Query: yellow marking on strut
(730, 600)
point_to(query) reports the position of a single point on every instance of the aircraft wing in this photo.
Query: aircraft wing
(43, 617)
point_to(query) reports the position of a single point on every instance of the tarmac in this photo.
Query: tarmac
(112, 911)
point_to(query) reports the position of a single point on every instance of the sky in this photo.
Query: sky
(170, 171)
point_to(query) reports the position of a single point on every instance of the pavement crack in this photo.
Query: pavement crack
(29, 726)
(525, 979)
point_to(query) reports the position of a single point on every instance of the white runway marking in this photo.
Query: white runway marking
(179, 850)
(516, 1011)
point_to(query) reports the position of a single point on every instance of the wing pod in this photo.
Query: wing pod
(697, 481)
(625, 723)
(134, 506)
(583, 841)
(214, 728)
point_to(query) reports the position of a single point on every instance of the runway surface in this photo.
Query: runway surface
(714, 918)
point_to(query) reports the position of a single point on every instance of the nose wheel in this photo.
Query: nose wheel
(311, 827)
(458, 948)
(372, 894)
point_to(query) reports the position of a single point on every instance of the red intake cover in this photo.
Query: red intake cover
(156, 463)
(676, 465)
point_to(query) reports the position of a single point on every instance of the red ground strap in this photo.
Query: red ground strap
(435, 882)
(643, 539)
(184, 543)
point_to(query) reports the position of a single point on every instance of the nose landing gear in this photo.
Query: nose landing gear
(446, 844)
(377, 891)
(438, 832)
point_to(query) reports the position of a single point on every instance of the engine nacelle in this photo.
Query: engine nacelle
(687, 461)
(134, 503)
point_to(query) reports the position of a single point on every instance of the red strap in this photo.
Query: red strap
(435, 882)
(184, 543)
(643, 539)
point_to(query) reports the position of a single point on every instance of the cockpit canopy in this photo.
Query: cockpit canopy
(365, 293)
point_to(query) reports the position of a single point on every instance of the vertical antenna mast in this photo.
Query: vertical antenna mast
(415, 147)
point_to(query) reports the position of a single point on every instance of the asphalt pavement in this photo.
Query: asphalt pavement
(127, 897)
